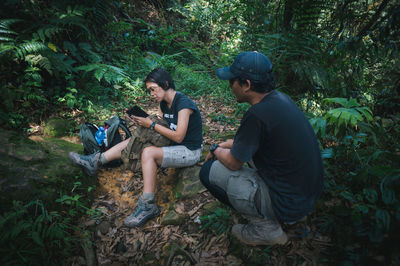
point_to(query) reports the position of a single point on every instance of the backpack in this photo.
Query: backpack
(141, 138)
(112, 125)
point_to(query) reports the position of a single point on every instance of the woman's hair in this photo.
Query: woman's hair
(161, 77)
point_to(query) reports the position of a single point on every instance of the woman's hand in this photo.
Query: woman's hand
(142, 121)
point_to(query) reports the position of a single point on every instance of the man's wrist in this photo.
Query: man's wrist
(213, 148)
(153, 125)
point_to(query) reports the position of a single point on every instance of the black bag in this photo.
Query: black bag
(113, 137)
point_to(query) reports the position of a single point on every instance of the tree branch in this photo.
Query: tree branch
(373, 20)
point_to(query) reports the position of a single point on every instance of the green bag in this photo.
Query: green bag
(88, 130)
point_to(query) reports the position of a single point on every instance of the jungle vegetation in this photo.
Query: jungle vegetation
(339, 60)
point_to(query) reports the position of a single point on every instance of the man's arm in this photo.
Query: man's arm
(226, 144)
(225, 156)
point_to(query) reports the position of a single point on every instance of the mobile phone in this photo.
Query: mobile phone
(137, 111)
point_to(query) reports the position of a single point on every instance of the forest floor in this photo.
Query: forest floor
(186, 243)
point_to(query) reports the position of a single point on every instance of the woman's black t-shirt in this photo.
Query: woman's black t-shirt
(194, 134)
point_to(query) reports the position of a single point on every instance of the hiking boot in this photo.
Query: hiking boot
(299, 229)
(89, 163)
(144, 211)
(260, 232)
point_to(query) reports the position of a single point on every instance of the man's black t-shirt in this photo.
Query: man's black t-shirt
(194, 134)
(280, 140)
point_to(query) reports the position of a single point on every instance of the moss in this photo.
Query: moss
(37, 168)
(56, 127)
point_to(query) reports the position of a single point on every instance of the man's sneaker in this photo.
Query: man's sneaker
(89, 163)
(299, 229)
(260, 232)
(144, 211)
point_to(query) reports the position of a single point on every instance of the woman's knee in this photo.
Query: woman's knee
(152, 153)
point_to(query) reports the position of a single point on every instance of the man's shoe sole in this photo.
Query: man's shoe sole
(281, 240)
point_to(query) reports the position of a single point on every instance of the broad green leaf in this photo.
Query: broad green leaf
(327, 153)
(99, 74)
(370, 194)
(383, 219)
(388, 196)
(36, 238)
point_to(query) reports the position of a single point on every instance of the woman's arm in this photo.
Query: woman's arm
(181, 128)
(179, 134)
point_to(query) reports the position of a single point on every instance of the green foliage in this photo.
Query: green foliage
(224, 120)
(339, 58)
(32, 234)
(110, 74)
(218, 222)
(342, 119)
(359, 184)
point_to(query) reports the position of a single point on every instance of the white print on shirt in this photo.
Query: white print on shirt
(169, 115)
(172, 126)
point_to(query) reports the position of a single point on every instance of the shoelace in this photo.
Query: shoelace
(141, 207)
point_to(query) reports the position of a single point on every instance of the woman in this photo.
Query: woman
(185, 131)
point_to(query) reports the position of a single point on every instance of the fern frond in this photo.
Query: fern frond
(30, 48)
(73, 17)
(92, 56)
(6, 34)
(307, 13)
(6, 39)
(41, 61)
(48, 32)
(4, 48)
(5, 31)
(61, 63)
(5, 23)
(109, 73)
(101, 11)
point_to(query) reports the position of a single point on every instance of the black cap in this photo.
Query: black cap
(248, 65)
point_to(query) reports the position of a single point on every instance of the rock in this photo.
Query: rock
(173, 218)
(36, 168)
(387, 122)
(121, 248)
(89, 253)
(212, 206)
(232, 260)
(189, 182)
(56, 127)
(103, 227)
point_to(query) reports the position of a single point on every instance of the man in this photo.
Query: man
(276, 139)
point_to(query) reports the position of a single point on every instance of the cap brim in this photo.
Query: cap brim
(225, 73)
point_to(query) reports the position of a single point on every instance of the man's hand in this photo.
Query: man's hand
(209, 156)
(226, 145)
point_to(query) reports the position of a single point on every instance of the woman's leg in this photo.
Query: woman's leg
(147, 208)
(151, 158)
(91, 163)
(115, 151)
